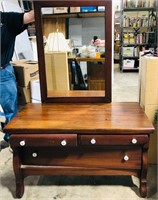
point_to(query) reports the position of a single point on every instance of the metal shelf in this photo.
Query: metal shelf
(126, 28)
(139, 9)
(130, 57)
(70, 15)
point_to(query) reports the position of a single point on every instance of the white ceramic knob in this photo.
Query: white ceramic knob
(134, 141)
(22, 143)
(63, 143)
(126, 158)
(34, 155)
(93, 141)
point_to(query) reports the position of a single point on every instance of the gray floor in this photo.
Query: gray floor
(125, 88)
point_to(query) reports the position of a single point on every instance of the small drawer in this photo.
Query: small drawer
(112, 139)
(47, 140)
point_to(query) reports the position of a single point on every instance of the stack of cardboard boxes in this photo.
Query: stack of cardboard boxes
(148, 81)
(25, 72)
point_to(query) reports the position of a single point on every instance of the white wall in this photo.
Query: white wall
(13, 1)
(82, 30)
(116, 4)
(23, 48)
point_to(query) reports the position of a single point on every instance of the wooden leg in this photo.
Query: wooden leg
(143, 188)
(19, 188)
(143, 175)
(19, 179)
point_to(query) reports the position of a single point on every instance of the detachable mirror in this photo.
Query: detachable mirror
(71, 68)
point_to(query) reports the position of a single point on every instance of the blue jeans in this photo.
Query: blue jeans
(8, 92)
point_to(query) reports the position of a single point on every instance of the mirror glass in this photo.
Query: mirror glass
(74, 66)
(73, 63)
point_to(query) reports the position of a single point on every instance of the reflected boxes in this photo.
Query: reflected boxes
(47, 10)
(89, 9)
(60, 10)
(57, 71)
(74, 9)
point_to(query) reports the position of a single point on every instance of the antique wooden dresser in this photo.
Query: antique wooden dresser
(80, 139)
(79, 132)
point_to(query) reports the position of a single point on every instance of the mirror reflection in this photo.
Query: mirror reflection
(74, 49)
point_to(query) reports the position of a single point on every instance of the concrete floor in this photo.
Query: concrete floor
(125, 88)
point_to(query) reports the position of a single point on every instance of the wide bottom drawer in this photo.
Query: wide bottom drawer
(113, 157)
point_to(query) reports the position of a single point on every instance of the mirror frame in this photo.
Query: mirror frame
(108, 49)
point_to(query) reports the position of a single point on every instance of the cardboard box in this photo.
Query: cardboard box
(47, 10)
(35, 91)
(152, 153)
(148, 98)
(25, 71)
(89, 9)
(128, 63)
(23, 95)
(128, 51)
(101, 8)
(57, 71)
(148, 80)
(60, 10)
(74, 9)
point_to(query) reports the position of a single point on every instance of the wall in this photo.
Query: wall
(12, 1)
(23, 49)
(82, 30)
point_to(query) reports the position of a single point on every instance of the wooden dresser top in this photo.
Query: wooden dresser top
(103, 118)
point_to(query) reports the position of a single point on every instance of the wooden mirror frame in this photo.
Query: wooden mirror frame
(108, 50)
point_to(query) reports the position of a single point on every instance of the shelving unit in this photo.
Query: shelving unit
(49, 19)
(117, 36)
(138, 31)
(79, 14)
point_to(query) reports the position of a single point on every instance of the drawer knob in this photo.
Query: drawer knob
(126, 158)
(93, 141)
(34, 155)
(134, 141)
(63, 143)
(22, 143)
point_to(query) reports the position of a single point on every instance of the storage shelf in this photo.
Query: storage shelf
(130, 57)
(136, 32)
(138, 9)
(71, 15)
(137, 28)
(143, 44)
(130, 69)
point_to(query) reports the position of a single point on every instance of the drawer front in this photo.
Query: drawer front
(112, 139)
(120, 157)
(43, 140)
